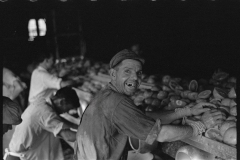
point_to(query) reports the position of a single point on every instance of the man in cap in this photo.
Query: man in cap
(112, 117)
(37, 137)
(11, 114)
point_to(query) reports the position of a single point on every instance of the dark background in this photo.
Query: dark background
(180, 38)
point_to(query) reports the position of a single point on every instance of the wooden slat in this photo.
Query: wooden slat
(216, 148)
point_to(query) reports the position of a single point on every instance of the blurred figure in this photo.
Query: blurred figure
(136, 48)
(37, 137)
(42, 79)
(12, 84)
(11, 114)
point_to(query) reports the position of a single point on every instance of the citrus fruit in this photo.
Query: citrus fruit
(148, 93)
(184, 94)
(225, 109)
(225, 125)
(228, 102)
(165, 102)
(220, 76)
(230, 136)
(219, 93)
(154, 95)
(166, 79)
(204, 94)
(231, 118)
(162, 94)
(172, 84)
(233, 110)
(192, 95)
(148, 100)
(186, 100)
(232, 79)
(214, 134)
(230, 85)
(166, 88)
(232, 93)
(156, 102)
(193, 85)
(201, 100)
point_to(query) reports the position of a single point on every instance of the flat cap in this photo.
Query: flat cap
(11, 112)
(124, 54)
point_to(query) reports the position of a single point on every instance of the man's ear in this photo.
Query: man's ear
(112, 73)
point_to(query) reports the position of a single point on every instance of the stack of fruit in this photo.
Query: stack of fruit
(171, 93)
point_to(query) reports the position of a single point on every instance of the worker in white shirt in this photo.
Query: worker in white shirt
(41, 79)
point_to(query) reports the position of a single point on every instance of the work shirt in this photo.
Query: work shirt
(41, 80)
(36, 136)
(107, 123)
(8, 87)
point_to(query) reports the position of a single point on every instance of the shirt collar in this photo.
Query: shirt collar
(41, 68)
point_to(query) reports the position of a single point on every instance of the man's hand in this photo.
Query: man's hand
(70, 118)
(198, 108)
(213, 117)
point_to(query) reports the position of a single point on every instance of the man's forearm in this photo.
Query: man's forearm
(166, 116)
(171, 133)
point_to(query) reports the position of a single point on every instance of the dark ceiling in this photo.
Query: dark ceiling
(188, 38)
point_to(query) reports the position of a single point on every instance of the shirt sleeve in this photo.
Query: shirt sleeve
(51, 81)
(52, 123)
(129, 120)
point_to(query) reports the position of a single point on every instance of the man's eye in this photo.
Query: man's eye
(128, 71)
(139, 73)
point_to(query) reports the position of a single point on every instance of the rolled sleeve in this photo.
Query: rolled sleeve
(129, 120)
(52, 123)
(51, 81)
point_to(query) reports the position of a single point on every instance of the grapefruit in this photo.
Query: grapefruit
(233, 118)
(201, 100)
(192, 95)
(184, 94)
(162, 94)
(193, 85)
(148, 100)
(214, 134)
(156, 102)
(232, 93)
(230, 136)
(204, 94)
(232, 79)
(172, 84)
(148, 93)
(154, 95)
(165, 102)
(228, 102)
(219, 93)
(166, 88)
(225, 125)
(166, 79)
(233, 111)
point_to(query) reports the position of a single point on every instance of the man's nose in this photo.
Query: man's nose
(134, 76)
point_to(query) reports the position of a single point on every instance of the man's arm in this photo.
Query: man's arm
(171, 133)
(66, 83)
(68, 135)
(166, 116)
(169, 116)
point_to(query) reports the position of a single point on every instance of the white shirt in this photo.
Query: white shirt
(35, 137)
(8, 78)
(41, 80)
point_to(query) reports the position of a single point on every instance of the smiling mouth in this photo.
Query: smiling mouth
(131, 85)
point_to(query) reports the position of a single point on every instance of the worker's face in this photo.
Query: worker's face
(50, 62)
(128, 76)
(6, 127)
